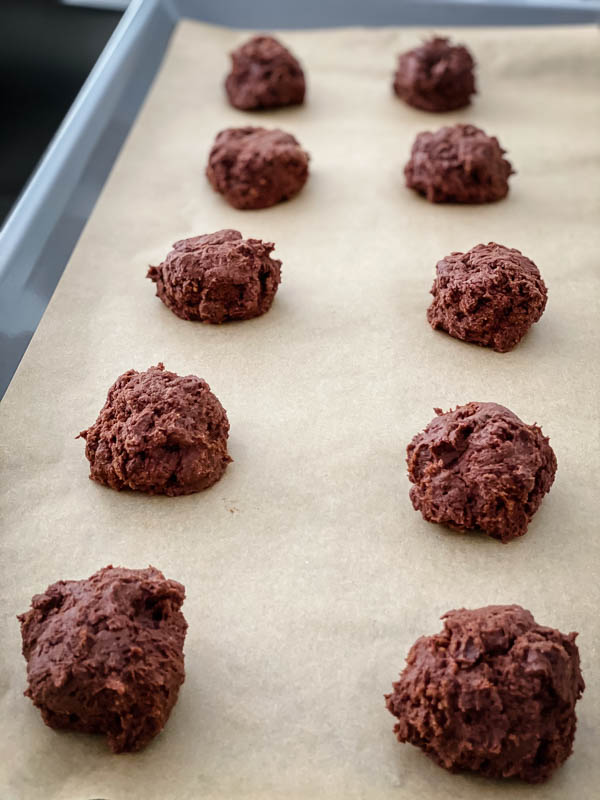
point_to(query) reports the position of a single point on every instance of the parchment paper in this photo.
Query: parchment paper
(308, 573)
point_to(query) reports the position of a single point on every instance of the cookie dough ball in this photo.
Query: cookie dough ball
(158, 433)
(493, 693)
(437, 76)
(480, 467)
(105, 655)
(256, 168)
(490, 295)
(460, 164)
(218, 277)
(264, 74)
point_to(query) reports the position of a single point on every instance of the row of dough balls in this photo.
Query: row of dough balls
(494, 692)
(477, 467)
(255, 168)
(436, 76)
(491, 295)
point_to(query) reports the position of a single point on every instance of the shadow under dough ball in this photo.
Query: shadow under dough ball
(493, 693)
(264, 74)
(437, 76)
(255, 167)
(105, 655)
(458, 164)
(490, 295)
(158, 433)
(479, 467)
(218, 277)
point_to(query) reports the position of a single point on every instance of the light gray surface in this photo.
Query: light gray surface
(40, 234)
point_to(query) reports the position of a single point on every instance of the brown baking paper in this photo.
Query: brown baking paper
(308, 573)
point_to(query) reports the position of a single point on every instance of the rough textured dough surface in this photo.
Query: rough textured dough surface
(490, 295)
(437, 76)
(255, 167)
(480, 467)
(493, 693)
(105, 655)
(264, 74)
(158, 433)
(218, 277)
(458, 164)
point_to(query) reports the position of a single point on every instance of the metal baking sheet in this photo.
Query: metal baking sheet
(308, 573)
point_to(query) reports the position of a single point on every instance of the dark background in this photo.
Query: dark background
(46, 53)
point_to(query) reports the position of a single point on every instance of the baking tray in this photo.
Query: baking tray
(311, 532)
(41, 232)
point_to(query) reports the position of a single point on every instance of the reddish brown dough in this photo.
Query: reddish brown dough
(493, 693)
(255, 167)
(480, 467)
(105, 655)
(264, 74)
(460, 164)
(490, 295)
(158, 433)
(218, 277)
(437, 76)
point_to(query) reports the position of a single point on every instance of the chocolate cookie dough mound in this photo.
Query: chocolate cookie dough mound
(105, 655)
(493, 693)
(256, 168)
(490, 295)
(480, 467)
(437, 76)
(460, 164)
(264, 74)
(218, 277)
(158, 433)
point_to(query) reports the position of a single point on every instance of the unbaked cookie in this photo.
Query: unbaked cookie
(158, 433)
(479, 467)
(105, 655)
(491, 295)
(493, 693)
(255, 167)
(437, 76)
(264, 74)
(218, 277)
(459, 164)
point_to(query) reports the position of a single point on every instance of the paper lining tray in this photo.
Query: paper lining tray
(308, 573)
